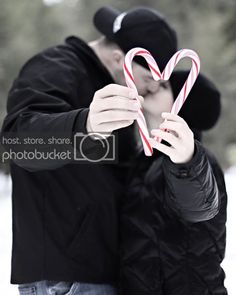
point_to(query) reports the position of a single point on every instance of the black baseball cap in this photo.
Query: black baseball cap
(202, 108)
(138, 27)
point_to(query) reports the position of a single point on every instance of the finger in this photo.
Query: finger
(172, 132)
(141, 100)
(117, 103)
(169, 137)
(172, 117)
(113, 116)
(161, 147)
(114, 90)
(177, 127)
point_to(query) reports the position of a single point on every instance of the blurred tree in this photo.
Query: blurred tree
(25, 28)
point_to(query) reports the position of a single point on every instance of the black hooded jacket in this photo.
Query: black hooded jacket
(172, 238)
(65, 213)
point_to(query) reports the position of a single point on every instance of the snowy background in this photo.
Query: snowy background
(229, 264)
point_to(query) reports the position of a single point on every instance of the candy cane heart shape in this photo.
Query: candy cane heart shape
(157, 75)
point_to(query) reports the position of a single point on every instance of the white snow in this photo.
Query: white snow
(229, 264)
(5, 236)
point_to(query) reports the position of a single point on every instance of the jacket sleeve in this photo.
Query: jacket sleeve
(191, 188)
(41, 103)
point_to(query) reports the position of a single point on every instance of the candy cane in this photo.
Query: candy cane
(157, 75)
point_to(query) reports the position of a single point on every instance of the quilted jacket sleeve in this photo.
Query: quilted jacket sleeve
(191, 187)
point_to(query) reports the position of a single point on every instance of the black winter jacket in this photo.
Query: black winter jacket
(65, 214)
(172, 239)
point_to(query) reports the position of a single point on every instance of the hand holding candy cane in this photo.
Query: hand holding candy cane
(113, 107)
(179, 136)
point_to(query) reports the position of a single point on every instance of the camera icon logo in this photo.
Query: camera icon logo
(94, 147)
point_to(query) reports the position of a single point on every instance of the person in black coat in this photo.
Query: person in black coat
(66, 208)
(165, 249)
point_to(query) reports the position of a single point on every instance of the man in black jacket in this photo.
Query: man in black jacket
(65, 214)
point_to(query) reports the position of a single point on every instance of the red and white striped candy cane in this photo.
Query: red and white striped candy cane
(157, 75)
(128, 72)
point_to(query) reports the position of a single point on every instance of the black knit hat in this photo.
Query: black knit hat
(202, 108)
(138, 27)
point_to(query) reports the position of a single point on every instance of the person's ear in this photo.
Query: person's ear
(118, 58)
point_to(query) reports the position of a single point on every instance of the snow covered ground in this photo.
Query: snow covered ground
(6, 288)
(5, 237)
(229, 263)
